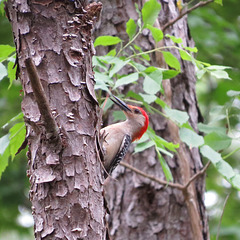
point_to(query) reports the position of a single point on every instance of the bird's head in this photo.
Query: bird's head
(137, 117)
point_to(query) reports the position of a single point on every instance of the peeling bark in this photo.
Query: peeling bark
(66, 190)
(139, 208)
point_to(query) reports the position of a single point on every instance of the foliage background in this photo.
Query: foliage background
(216, 31)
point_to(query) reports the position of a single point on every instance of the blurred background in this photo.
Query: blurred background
(216, 32)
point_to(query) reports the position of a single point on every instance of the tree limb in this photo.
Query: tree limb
(160, 181)
(200, 4)
(163, 182)
(42, 102)
(196, 175)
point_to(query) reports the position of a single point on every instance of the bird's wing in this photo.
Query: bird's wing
(120, 155)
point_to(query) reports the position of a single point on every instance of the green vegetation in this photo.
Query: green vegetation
(215, 30)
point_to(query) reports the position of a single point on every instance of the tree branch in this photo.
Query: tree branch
(42, 102)
(196, 175)
(163, 182)
(219, 224)
(160, 181)
(200, 4)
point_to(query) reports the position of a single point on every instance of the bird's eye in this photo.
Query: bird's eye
(137, 111)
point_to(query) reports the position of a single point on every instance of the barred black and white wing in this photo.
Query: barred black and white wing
(120, 155)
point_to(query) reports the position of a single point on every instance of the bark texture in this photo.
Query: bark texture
(139, 208)
(66, 195)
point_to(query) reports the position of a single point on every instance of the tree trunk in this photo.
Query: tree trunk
(54, 49)
(139, 208)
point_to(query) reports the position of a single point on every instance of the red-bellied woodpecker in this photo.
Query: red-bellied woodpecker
(118, 137)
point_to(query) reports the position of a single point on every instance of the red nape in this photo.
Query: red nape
(144, 128)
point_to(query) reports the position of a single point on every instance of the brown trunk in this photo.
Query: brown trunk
(140, 208)
(61, 114)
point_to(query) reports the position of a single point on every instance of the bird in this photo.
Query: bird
(118, 137)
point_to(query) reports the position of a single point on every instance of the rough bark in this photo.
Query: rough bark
(66, 195)
(140, 208)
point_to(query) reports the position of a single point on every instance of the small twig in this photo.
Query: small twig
(160, 181)
(201, 172)
(219, 224)
(200, 4)
(163, 182)
(42, 102)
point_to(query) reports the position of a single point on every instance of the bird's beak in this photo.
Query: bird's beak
(120, 103)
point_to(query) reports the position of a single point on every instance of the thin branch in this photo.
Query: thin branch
(200, 4)
(42, 102)
(231, 153)
(219, 224)
(195, 176)
(163, 182)
(160, 181)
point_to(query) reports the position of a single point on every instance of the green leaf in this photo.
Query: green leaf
(99, 76)
(106, 41)
(126, 80)
(209, 153)
(162, 150)
(134, 95)
(200, 73)
(235, 181)
(4, 142)
(107, 104)
(100, 84)
(174, 39)
(5, 51)
(102, 81)
(218, 2)
(208, 128)
(156, 33)
(187, 125)
(191, 138)
(118, 64)
(131, 28)
(148, 98)
(17, 137)
(225, 169)
(220, 74)
(222, 166)
(3, 71)
(171, 60)
(160, 142)
(218, 67)
(166, 169)
(4, 160)
(150, 69)
(150, 86)
(150, 12)
(2, 5)
(176, 115)
(145, 56)
(156, 76)
(185, 55)
(138, 10)
(167, 74)
(140, 67)
(233, 93)
(160, 102)
(17, 117)
(112, 53)
(143, 146)
(144, 138)
(118, 116)
(217, 141)
(10, 143)
(11, 73)
(194, 49)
